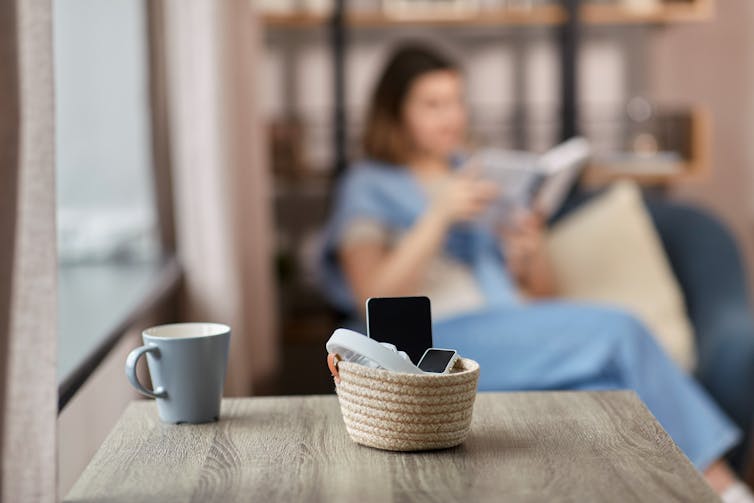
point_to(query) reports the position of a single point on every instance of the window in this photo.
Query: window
(108, 237)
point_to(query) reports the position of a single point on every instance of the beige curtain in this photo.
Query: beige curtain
(27, 254)
(222, 190)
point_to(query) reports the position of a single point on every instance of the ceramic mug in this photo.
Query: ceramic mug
(187, 363)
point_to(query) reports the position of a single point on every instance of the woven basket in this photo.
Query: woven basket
(407, 412)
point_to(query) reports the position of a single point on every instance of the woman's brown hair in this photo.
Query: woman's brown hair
(384, 137)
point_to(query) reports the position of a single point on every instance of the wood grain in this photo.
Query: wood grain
(555, 446)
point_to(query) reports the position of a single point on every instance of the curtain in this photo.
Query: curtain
(221, 186)
(28, 260)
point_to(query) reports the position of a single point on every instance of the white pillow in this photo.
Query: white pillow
(608, 251)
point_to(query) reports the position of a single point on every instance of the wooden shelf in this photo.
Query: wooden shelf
(694, 167)
(666, 13)
(539, 16)
(543, 15)
(294, 20)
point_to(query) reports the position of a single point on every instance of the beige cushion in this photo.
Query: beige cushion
(609, 252)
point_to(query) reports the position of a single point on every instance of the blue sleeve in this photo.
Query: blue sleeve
(363, 193)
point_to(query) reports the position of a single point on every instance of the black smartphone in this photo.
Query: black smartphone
(438, 361)
(405, 322)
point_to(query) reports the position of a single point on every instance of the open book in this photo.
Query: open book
(530, 181)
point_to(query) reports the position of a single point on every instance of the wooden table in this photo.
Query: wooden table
(561, 446)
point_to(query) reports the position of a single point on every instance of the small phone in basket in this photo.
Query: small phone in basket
(438, 360)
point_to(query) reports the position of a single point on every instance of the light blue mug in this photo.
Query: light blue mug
(187, 363)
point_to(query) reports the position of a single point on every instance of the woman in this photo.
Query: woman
(405, 222)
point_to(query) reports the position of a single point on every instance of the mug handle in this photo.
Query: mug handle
(131, 360)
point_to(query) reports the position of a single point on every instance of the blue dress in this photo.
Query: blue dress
(555, 345)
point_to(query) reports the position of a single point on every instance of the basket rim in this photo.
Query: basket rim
(470, 366)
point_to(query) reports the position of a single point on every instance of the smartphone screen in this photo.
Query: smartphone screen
(405, 322)
(436, 360)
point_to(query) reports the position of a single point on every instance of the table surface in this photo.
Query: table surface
(542, 446)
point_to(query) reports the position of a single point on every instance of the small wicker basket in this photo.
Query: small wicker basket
(406, 412)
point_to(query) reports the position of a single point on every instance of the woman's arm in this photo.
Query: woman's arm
(373, 270)
(527, 259)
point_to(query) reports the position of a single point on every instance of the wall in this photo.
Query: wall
(713, 63)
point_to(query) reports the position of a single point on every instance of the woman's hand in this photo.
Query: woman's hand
(522, 240)
(462, 197)
(375, 271)
(526, 255)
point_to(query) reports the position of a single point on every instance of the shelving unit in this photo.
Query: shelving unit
(568, 17)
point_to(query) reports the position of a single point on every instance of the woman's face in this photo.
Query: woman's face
(434, 114)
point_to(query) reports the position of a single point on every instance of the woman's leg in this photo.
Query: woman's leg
(561, 345)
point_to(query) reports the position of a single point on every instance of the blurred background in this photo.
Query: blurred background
(654, 85)
(198, 143)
